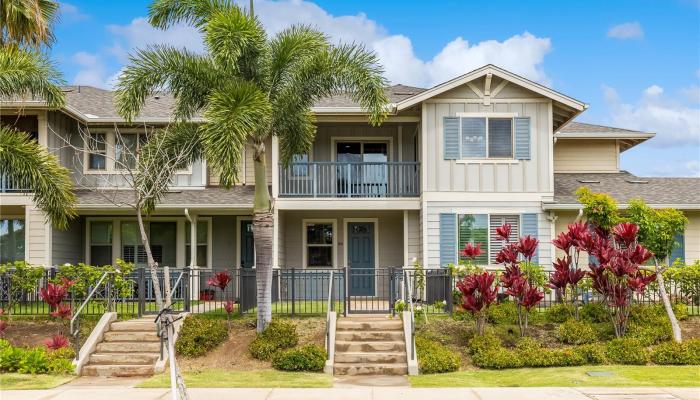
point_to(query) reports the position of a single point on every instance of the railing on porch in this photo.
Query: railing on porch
(9, 185)
(350, 179)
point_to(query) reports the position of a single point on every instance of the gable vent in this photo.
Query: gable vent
(587, 181)
(640, 182)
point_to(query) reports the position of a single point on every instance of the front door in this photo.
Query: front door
(247, 244)
(361, 258)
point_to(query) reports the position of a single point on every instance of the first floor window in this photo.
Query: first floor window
(97, 156)
(11, 240)
(319, 244)
(161, 236)
(497, 243)
(473, 228)
(202, 242)
(101, 243)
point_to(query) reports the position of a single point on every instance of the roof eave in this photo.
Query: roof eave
(577, 206)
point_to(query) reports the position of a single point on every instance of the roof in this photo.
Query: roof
(580, 130)
(214, 197)
(623, 186)
(582, 127)
(396, 93)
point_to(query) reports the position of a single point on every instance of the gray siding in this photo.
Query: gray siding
(323, 150)
(68, 246)
(224, 241)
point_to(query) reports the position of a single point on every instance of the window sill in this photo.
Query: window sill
(489, 161)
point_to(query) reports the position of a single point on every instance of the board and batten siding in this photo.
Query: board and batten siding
(38, 237)
(434, 209)
(692, 237)
(68, 246)
(532, 176)
(414, 237)
(572, 155)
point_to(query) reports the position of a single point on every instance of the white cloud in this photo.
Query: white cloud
(687, 168)
(92, 70)
(691, 94)
(523, 54)
(674, 123)
(628, 30)
(70, 13)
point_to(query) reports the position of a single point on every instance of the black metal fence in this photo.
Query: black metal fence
(295, 292)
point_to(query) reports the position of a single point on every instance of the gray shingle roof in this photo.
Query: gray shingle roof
(237, 196)
(624, 187)
(581, 127)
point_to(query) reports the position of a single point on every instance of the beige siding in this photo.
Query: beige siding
(692, 237)
(37, 244)
(281, 248)
(249, 163)
(532, 175)
(564, 218)
(401, 148)
(414, 236)
(390, 231)
(586, 156)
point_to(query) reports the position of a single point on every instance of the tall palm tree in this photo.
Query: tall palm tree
(26, 72)
(249, 88)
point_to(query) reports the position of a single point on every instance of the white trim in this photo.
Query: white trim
(487, 161)
(239, 235)
(362, 118)
(603, 135)
(304, 223)
(535, 197)
(197, 219)
(498, 88)
(374, 221)
(493, 101)
(487, 114)
(405, 238)
(332, 203)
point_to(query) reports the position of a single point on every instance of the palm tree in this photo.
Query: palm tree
(249, 88)
(26, 72)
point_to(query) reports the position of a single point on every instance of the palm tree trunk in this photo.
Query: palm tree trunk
(263, 223)
(152, 264)
(675, 327)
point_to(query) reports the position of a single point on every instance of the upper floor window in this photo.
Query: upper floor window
(498, 136)
(127, 149)
(97, 145)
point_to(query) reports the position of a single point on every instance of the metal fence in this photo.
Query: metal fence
(297, 292)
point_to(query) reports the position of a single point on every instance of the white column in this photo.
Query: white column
(193, 241)
(275, 238)
(406, 261)
(275, 167)
(181, 243)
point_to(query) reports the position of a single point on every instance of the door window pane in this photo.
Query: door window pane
(300, 165)
(375, 152)
(500, 137)
(11, 240)
(349, 151)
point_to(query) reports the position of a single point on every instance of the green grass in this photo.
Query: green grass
(26, 381)
(219, 378)
(93, 308)
(622, 375)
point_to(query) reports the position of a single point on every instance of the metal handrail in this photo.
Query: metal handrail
(409, 288)
(75, 328)
(329, 308)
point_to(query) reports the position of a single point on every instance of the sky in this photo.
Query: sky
(635, 63)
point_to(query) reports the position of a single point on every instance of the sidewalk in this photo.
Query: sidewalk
(69, 392)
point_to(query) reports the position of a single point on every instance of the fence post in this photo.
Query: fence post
(346, 297)
(186, 290)
(240, 271)
(294, 298)
(109, 293)
(142, 291)
(448, 291)
(392, 295)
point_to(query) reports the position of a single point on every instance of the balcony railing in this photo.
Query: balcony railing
(8, 185)
(350, 180)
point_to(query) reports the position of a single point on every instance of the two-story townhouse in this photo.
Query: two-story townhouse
(449, 165)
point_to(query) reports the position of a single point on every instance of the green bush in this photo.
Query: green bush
(576, 332)
(559, 313)
(652, 313)
(672, 353)
(497, 358)
(680, 310)
(594, 312)
(529, 353)
(306, 358)
(435, 358)
(533, 355)
(277, 336)
(649, 334)
(35, 360)
(480, 343)
(504, 313)
(626, 351)
(199, 335)
(593, 354)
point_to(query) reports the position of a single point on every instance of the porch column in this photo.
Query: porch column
(194, 272)
(275, 237)
(275, 167)
(405, 239)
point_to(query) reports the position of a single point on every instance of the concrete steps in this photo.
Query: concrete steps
(128, 349)
(369, 346)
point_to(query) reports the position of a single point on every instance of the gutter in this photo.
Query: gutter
(577, 206)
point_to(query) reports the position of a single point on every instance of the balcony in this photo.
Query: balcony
(8, 185)
(350, 179)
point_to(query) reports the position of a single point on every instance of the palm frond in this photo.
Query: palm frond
(27, 22)
(165, 13)
(236, 112)
(290, 49)
(24, 161)
(25, 73)
(299, 127)
(188, 76)
(166, 151)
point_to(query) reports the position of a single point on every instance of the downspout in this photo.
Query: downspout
(192, 227)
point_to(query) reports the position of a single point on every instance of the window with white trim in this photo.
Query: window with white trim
(97, 147)
(127, 148)
(11, 240)
(319, 244)
(495, 221)
(101, 243)
(486, 137)
(202, 242)
(481, 229)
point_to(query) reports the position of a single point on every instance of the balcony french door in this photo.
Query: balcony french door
(362, 169)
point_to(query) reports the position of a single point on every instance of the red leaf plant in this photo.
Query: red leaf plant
(503, 232)
(472, 252)
(56, 342)
(62, 311)
(53, 294)
(617, 277)
(567, 274)
(478, 293)
(3, 323)
(220, 280)
(228, 306)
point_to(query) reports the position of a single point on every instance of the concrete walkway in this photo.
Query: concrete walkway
(89, 392)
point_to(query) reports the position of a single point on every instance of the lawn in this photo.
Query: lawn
(97, 307)
(26, 381)
(220, 378)
(622, 375)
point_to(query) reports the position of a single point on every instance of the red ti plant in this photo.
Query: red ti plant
(618, 276)
(62, 311)
(220, 280)
(567, 275)
(3, 323)
(53, 294)
(228, 306)
(516, 282)
(56, 342)
(478, 293)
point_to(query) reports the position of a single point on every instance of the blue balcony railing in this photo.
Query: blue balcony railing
(8, 185)
(350, 180)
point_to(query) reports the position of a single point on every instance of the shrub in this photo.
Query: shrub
(559, 313)
(497, 358)
(480, 343)
(592, 354)
(649, 334)
(576, 332)
(680, 310)
(594, 312)
(306, 358)
(504, 313)
(35, 360)
(277, 336)
(626, 351)
(198, 336)
(434, 358)
(672, 353)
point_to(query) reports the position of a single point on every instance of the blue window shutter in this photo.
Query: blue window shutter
(474, 137)
(450, 137)
(522, 138)
(529, 227)
(448, 239)
(679, 250)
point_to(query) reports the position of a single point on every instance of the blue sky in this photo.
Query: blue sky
(636, 63)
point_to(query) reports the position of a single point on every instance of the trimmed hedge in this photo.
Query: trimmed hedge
(594, 312)
(672, 353)
(626, 351)
(559, 313)
(504, 313)
(306, 358)
(277, 336)
(199, 336)
(576, 332)
(481, 343)
(529, 353)
(37, 360)
(434, 357)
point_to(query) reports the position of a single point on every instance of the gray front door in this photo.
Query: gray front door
(361, 258)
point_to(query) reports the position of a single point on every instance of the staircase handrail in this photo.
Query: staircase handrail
(75, 320)
(409, 288)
